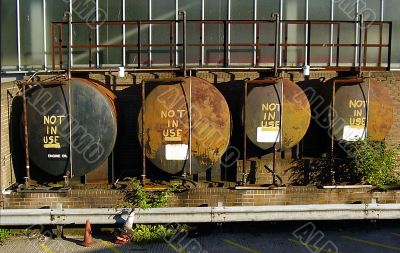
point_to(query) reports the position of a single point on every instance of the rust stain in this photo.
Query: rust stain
(167, 121)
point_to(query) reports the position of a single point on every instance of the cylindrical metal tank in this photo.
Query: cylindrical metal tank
(361, 108)
(270, 115)
(168, 108)
(78, 111)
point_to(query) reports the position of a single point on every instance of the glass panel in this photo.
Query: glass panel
(266, 8)
(214, 34)
(242, 9)
(347, 36)
(319, 9)
(32, 50)
(83, 11)
(242, 34)
(391, 13)
(111, 34)
(193, 37)
(319, 56)
(163, 9)
(216, 9)
(55, 12)
(267, 35)
(9, 55)
(192, 8)
(346, 56)
(163, 36)
(295, 34)
(320, 34)
(294, 9)
(344, 10)
(371, 9)
(161, 33)
(136, 10)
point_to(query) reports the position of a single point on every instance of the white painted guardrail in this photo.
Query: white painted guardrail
(201, 214)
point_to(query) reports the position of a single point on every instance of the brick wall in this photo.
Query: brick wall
(203, 196)
(300, 195)
(7, 175)
(76, 198)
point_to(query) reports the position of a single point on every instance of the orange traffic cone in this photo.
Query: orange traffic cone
(87, 240)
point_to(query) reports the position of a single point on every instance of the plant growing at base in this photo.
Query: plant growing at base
(5, 234)
(376, 163)
(137, 197)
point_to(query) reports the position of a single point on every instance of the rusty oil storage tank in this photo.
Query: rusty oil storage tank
(361, 108)
(170, 108)
(76, 111)
(275, 108)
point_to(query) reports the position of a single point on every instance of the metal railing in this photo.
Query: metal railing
(203, 41)
(372, 211)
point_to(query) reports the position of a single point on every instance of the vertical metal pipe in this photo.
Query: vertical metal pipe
(70, 128)
(333, 115)
(274, 165)
(277, 42)
(176, 33)
(90, 47)
(228, 60)
(184, 57)
(202, 31)
(123, 34)
(143, 130)
(244, 133)
(44, 35)
(150, 32)
(280, 31)
(190, 122)
(356, 49)
(26, 136)
(18, 35)
(255, 34)
(97, 35)
(281, 101)
(226, 43)
(139, 44)
(368, 103)
(331, 35)
(382, 9)
(337, 47)
(389, 57)
(60, 46)
(171, 42)
(70, 40)
(53, 55)
(307, 27)
(308, 49)
(360, 44)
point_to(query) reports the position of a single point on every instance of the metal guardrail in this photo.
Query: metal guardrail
(13, 217)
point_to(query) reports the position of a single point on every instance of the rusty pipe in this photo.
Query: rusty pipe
(277, 40)
(143, 130)
(360, 46)
(184, 57)
(244, 133)
(26, 137)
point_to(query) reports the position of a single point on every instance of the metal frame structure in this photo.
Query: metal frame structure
(20, 67)
(59, 45)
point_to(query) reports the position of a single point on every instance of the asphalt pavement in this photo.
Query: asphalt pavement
(288, 237)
